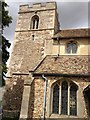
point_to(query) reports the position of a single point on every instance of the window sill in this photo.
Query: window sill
(62, 116)
(71, 54)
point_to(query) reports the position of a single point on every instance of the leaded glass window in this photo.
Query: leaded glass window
(73, 99)
(56, 99)
(64, 98)
(71, 47)
(68, 47)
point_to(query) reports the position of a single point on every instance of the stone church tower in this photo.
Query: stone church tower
(48, 75)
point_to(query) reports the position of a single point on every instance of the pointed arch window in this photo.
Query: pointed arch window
(35, 22)
(71, 47)
(73, 99)
(56, 99)
(65, 98)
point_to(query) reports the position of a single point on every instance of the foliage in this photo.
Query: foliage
(6, 20)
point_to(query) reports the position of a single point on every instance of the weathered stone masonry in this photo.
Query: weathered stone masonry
(42, 51)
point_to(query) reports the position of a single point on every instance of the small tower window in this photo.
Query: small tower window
(34, 22)
(33, 38)
(71, 47)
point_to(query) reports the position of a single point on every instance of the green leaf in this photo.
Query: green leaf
(6, 20)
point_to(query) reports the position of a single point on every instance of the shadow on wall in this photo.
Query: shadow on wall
(87, 102)
(12, 100)
(31, 101)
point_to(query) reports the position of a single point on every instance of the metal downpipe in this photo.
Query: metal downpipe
(44, 101)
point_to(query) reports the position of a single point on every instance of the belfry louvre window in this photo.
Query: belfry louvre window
(71, 47)
(64, 98)
(35, 22)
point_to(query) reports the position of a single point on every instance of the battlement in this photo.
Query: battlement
(38, 7)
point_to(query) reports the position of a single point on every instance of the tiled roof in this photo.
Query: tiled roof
(72, 33)
(64, 65)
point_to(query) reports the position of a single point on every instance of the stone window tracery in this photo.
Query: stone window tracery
(71, 47)
(64, 99)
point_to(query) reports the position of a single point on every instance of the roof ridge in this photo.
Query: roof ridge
(75, 29)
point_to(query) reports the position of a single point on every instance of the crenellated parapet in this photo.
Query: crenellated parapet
(37, 7)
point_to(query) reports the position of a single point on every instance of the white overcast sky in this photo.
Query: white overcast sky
(72, 14)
